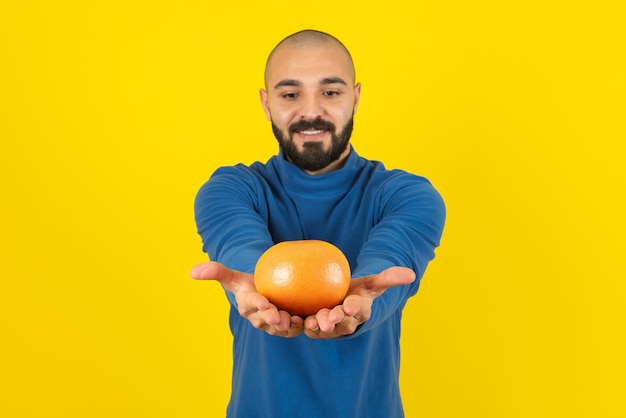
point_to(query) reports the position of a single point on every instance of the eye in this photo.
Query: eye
(331, 93)
(289, 96)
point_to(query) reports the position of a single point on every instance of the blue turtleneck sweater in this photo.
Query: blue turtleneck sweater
(379, 218)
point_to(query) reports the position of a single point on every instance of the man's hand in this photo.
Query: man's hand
(252, 305)
(357, 306)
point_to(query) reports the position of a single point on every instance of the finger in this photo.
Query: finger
(376, 284)
(272, 317)
(395, 276)
(325, 324)
(297, 321)
(358, 307)
(310, 323)
(251, 302)
(284, 329)
(353, 305)
(347, 326)
(206, 271)
(212, 270)
(231, 280)
(329, 319)
(284, 321)
(313, 333)
(294, 331)
(336, 315)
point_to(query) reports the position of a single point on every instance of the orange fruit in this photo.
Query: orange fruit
(302, 277)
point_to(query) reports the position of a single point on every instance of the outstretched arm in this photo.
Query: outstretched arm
(406, 232)
(251, 305)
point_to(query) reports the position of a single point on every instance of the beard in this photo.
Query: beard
(313, 157)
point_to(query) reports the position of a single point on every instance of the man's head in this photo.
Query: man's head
(310, 97)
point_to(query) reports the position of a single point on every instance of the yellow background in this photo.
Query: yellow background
(113, 113)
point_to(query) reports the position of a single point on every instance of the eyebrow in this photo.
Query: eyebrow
(288, 83)
(333, 80)
(324, 81)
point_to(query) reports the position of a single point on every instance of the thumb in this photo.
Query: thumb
(232, 280)
(393, 276)
(398, 276)
(210, 270)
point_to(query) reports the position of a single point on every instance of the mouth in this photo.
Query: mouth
(311, 132)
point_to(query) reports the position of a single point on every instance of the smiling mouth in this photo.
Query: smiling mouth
(311, 132)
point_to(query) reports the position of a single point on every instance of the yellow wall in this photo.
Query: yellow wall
(113, 113)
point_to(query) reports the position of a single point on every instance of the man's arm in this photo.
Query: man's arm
(234, 234)
(408, 230)
(231, 220)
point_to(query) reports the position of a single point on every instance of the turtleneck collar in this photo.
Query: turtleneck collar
(336, 182)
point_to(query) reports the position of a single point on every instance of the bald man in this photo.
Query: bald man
(311, 117)
(343, 361)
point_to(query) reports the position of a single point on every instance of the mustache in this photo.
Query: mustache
(317, 124)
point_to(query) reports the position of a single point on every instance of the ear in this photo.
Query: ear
(357, 97)
(265, 103)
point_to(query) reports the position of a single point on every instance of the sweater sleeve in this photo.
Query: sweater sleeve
(231, 220)
(411, 217)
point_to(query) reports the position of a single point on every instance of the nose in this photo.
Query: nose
(311, 107)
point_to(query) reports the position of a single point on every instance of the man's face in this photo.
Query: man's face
(311, 100)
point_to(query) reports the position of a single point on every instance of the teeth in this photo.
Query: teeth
(311, 132)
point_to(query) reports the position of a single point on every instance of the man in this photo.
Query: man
(341, 362)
